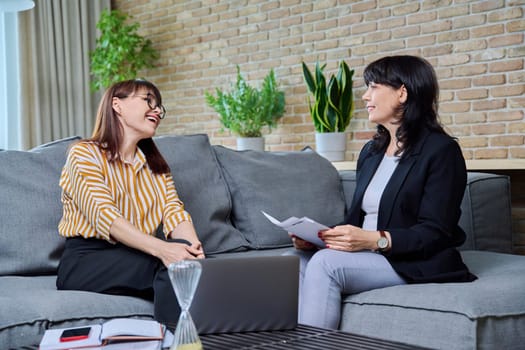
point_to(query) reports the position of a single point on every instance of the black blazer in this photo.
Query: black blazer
(420, 207)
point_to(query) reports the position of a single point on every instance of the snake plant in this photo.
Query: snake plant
(333, 105)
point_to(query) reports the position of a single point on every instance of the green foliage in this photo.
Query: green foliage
(246, 110)
(120, 52)
(333, 104)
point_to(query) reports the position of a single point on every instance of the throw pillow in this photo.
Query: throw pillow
(31, 208)
(283, 184)
(202, 188)
(486, 213)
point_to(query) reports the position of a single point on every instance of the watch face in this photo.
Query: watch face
(382, 243)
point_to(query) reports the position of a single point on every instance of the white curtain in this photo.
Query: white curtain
(56, 37)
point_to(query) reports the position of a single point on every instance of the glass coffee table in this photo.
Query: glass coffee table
(302, 337)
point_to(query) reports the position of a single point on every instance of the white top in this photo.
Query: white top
(375, 189)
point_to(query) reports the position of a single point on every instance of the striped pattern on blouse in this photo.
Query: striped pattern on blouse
(95, 192)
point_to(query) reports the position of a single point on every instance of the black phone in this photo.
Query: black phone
(75, 334)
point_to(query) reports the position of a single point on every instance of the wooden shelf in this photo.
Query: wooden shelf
(472, 164)
(496, 164)
(345, 165)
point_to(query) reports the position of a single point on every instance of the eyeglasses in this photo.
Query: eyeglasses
(152, 104)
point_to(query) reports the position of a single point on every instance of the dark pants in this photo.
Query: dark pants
(98, 266)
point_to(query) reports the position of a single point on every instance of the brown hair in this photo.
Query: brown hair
(107, 132)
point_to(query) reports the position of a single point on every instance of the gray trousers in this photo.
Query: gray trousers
(328, 274)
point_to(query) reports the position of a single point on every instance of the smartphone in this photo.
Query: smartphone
(75, 334)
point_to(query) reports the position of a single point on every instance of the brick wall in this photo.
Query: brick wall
(476, 47)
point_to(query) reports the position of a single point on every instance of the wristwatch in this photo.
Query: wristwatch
(382, 242)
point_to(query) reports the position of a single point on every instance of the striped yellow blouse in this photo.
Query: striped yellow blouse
(95, 192)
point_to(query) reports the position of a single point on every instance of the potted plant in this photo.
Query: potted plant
(120, 52)
(245, 110)
(331, 108)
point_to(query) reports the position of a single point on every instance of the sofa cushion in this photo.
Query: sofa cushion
(202, 188)
(486, 213)
(283, 184)
(31, 208)
(30, 305)
(487, 312)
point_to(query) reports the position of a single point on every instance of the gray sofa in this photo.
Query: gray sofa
(225, 191)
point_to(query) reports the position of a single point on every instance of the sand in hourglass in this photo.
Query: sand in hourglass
(194, 346)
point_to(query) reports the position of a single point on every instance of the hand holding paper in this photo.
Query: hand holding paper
(304, 228)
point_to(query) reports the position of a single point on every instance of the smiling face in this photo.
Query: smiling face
(138, 119)
(384, 103)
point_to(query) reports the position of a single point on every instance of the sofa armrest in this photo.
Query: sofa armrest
(348, 182)
(485, 210)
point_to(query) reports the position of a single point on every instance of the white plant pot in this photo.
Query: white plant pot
(331, 145)
(250, 143)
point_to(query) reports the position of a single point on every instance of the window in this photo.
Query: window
(9, 82)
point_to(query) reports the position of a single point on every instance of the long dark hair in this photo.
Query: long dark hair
(108, 133)
(420, 111)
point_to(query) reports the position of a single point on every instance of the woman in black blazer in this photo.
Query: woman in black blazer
(402, 226)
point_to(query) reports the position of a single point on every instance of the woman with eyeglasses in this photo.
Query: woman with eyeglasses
(117, 190)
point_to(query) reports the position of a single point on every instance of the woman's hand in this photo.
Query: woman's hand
(170, 252)
(186, 231)
(301, 244)
(196, 250)
(349, 238)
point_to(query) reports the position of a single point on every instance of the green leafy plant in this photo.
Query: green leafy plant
(120, 52)
(245, 110)
(333, 104)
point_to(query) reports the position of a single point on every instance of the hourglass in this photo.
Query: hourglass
(184, 276)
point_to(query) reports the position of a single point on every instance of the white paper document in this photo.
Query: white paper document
(304, 228)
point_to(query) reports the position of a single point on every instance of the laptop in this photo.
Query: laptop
(243, 294)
